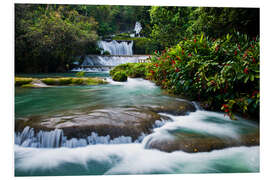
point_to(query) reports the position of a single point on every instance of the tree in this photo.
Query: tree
(169, 24)
(217, 22)
(49, 38)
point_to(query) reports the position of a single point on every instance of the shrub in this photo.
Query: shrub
(106, 53)
(120, 76)
(221, 73)
(132, 70)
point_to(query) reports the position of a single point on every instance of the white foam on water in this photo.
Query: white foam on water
(133, 159)
(207, 122)
(133, 83)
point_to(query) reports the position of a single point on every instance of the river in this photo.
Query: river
(108, 155)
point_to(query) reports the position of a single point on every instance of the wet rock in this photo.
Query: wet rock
(195, 142)
(180, 107)
(112, 121)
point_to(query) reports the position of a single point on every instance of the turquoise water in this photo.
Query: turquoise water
(130, 158)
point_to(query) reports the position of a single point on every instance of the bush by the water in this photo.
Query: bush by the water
(119, 76)
(132, 70)
(220, 73)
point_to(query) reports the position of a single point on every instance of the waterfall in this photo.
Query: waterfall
(116, 48)
(138, 28)
(56, 138)
(96, 63)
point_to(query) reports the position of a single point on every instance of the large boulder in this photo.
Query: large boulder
(115, 122)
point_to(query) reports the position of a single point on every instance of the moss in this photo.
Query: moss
(29, 86)
(95, 81)
(87, 81)
(73, 81)
(65, 81)
(51, 81)
(120, 76)
(21, 81)
(77, 81)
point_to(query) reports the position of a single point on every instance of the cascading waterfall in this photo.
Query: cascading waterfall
(95, 63)
(116, 48)
(56, 139)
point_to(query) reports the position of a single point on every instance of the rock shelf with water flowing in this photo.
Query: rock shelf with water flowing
(96, 63)
(123, 122)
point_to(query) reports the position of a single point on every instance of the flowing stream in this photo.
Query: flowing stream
(51, 153)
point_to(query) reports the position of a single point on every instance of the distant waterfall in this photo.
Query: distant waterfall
(138, 28)
(117, 48)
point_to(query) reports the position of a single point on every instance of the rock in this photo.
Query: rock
(112, 121)
(195, 142)
(39, 83)
(180, 107)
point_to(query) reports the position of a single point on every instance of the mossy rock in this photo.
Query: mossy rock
(73, 81)
(87, 81)
(120, 76)
(21, 81)
(51, 81)
(29, 86)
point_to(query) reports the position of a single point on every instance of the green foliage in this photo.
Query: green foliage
(119, 76)
(144, 46)
(217, 72)
(216, 22)
(169, 24)
(106, 53)
(132, 70)
(80, 74)
(47, 37)
(21, 81)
